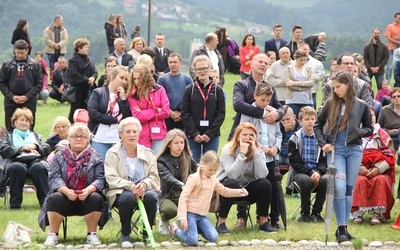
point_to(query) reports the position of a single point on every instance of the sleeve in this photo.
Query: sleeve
(153, 179)
(7, 149)
(191, 70)
(242, 55)
(73, 76)
(47, 38)
(273, 79)
(365, 95)
(278, 137)
(64, 38)
(322, 165)
(385, 57)
(320, 123)
(98, 166)
(186, 113)
(319, 73)
(184, 198)
(215, 127)
(366, 57)
(366, 123)
(166, 175)
(113, 177)
(56, 179)
(4, 82)
(43, 148)
(241, 106)
(326, 91)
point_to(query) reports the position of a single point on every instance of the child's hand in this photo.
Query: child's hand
(243, 192)
(183, 224)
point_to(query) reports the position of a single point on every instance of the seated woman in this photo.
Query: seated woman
(59, 131)
(373, 192)
(243, 166)
(76, 182)
(23, 153)
(131, 174)
(175, 164)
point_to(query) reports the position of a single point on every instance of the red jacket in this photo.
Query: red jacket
(148, 114)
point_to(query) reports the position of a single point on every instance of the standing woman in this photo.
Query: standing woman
(299, 82)
(121, 27)
(175, 164)
(203, 110)
(246, 54)
(340, 125)
(149, 103)
(107, 107)
(21, 32)
(81, 73)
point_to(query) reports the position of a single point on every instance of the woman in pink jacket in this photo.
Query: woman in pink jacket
(149, 103)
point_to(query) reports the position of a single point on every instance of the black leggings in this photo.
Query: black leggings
(259, 193)
(61, 204)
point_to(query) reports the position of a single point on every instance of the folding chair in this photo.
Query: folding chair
(134, 221)
(28, 184)
(297, 188)
(248, 215)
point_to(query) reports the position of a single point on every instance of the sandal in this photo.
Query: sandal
(375, 219)
(358, 221)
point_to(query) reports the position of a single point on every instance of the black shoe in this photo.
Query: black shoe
(343, 237)
(351, 237)
(316, 218)
(266, 227)
(222, 229)
(277, 225)
(303, 218)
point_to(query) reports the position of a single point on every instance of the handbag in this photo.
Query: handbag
(215, 203)
(16, 232)
(27, 157)
(69, 94)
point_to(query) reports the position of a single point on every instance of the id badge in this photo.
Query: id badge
(155, 130)
(204, 123)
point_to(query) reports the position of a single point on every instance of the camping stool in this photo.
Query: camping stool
(134, 221)
(297, 188)
(248, 215)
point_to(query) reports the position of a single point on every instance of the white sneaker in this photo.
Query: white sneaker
(92, 239)
(163, 227)
(51, 240)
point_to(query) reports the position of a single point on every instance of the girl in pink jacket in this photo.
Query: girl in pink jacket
(150, 105)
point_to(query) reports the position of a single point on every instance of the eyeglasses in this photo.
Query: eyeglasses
(395, 96)
(199, 70)
(348, 63)
(76, 137)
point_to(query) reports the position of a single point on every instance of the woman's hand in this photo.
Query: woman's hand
(70, 193)
(363, 171)
(244, 146)
(290, 83)
(183, 224)
(85, 193)
(121, 93)
(198, 138)
(243, 192)
(29, 147)
(315, 177)
(91, 81)
(372, 173)
(327, 148)
(139, 190)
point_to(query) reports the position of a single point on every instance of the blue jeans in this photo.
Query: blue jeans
(198, 149)
(53, 59)
(378, 79)
(389, 65)
(347, 162)
(197, 224)
(102, 148)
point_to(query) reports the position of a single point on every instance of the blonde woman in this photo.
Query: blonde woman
(59, 131)
(175, 164)
(137, 44)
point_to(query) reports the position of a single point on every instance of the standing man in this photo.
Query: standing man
(59, 79)
(162, 53)
(376, 56)
(56, 39)
(123, 58)
(275, 74)
(347, 63)
(174, 83)
(317, 70)
(111, 33)
(392, 34)
(297, 32)
(276, 43)
(21, 81)
(209, 49)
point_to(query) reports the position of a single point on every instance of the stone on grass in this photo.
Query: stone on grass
(375, 244)
(79, 246)
(270, 242)
(233, 243)
(332, 244)
(389, 243)
(285, 243)
(166, 244)
(69, 247)
(201, 243)
(365, 242)
(112, 245)
(255, 242)
(41, 246)
(88, 246)
(346, 244)
(210, 244)
(138, 244)
(60, 246)
(177, 243)
(303, 243)
(126, 244)
(317, 243)
(101, 246)
(244, 243)
(223, 243)
(10, 245)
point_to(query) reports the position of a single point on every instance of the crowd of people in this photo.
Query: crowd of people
(153, 132)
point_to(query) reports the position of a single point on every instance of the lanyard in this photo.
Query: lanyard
(205, 98)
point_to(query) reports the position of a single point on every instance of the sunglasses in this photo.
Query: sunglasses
(395, 96)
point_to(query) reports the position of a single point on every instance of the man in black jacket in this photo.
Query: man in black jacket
(58, 79)
(21, 81)
(162, 53)
(111, 34)
(123, 58)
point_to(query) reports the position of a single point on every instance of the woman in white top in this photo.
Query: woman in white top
(107, 107)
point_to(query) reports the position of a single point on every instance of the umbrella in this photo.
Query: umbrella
(329, 195)
(146, 223)
(281, 203)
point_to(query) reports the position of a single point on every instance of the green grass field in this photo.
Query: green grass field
(77, 228)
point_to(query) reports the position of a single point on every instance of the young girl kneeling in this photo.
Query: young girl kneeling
(195, 199)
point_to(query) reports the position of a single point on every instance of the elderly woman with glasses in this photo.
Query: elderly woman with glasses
(131, 174)
(76, 182)
(203, 110)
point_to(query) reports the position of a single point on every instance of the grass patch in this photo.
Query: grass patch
(77, 227)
